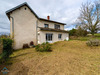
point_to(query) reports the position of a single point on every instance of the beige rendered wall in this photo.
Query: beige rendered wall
(51, 24)
(24, 26)
(42, 36)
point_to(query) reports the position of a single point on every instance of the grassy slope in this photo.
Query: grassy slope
(67, 58)
(86, 38)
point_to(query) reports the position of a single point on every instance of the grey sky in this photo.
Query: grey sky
(65, 11)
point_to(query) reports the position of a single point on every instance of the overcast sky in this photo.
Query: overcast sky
(65, 11)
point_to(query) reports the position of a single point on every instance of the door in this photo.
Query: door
(49, 37)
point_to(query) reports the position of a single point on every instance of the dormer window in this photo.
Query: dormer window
(57, 26)
(46, 25)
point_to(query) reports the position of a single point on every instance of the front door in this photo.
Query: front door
(49, 37)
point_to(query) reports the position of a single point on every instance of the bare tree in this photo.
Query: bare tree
(89, 18)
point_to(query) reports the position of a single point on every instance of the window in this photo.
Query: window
(25, 8)
(59, 36)
(46, 25)
(57, 26)
(49, 37)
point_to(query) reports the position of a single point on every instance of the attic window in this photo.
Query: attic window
(25, 8)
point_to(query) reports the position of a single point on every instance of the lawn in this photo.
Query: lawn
(67, 58)
(86, 38)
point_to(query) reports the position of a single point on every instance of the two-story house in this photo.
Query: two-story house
(26, 26)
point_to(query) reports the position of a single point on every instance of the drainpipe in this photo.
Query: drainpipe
(12, 27)
(37, 32)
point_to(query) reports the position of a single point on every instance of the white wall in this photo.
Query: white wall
(24, 27)
(51, 24)
(42, 36)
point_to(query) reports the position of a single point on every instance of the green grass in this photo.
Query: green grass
(67, 58)
(96, 36)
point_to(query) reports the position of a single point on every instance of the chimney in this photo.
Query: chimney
(48, 17)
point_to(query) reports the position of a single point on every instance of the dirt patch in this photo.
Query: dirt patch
(19, 69)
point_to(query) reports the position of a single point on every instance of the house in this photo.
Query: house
(26, 26)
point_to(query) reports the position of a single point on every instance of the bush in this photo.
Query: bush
(2, 58)
(93, 42)
(78, 32)
(72, 32)
(1, 46)
(81, 32)
(44, 47)
(7, 47)
(4, 36)
(65, 40)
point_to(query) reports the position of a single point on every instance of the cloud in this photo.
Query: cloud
(65, 11)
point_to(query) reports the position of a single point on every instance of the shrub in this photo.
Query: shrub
(1, 46)
(72, 32)
(44, 47)
(93, 42)
(4, 36)
(25, 46)
(78, 32)
(81, 32)
(65, 40)
(7, 47)
(2, 58)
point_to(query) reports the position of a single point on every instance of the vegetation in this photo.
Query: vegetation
(78, 32)
(72, 32)
(4, 36)
(1, 46)
(86, 38)
(6, 46)
(44, 47)
(67, 58)
(93, 42)
(81, 32)
(89, 18)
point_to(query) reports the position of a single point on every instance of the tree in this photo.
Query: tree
(72, 32)
(81, 32)
(89, 18)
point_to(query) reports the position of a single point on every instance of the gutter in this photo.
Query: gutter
(12, 27)
(37, 32)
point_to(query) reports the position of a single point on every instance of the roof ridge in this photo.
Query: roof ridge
(25, 3)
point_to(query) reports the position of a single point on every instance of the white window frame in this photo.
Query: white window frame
(60, 36)
(49, 37)
(46, 26)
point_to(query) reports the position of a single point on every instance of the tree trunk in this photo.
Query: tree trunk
(92, 34)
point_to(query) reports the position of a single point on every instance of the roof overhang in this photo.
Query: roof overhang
(19, 6)
(50, 29)
(52, 21)
(25, 4)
